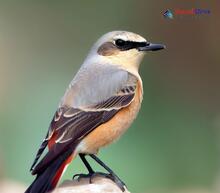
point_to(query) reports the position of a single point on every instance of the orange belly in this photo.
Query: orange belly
(113, 129)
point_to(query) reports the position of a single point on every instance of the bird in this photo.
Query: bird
(99, 105)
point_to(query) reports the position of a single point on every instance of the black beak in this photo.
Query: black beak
(152, 47)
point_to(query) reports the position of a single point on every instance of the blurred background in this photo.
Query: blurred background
(174, 144)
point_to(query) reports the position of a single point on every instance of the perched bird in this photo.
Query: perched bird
(99, 105)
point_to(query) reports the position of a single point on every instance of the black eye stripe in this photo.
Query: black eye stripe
(126, 45)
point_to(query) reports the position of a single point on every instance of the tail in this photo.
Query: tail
(48, 179)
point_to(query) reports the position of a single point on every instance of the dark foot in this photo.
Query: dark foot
(112, 177)
(79, 176)
(89, 175)
(115, 179)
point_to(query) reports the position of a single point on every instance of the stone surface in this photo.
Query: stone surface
(10, 186)
(98, 185)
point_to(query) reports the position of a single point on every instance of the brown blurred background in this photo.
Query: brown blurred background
(173, 146)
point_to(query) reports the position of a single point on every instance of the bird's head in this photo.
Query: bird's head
(122, 48)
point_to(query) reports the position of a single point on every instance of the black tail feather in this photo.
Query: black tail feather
(43, 182)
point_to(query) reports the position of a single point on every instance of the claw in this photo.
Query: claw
(112, 177)
(117, 181)
(79, 176)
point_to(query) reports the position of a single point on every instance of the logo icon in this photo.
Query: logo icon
(168, 14)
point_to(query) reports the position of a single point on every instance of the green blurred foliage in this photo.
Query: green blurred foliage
(174, 142)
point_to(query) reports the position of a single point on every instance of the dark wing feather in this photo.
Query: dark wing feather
(74, 132)
(40, 151)
(71, 125)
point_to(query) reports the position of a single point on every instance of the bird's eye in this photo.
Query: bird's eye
(120, 42)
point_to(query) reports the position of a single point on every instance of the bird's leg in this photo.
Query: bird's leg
(86, 163)
(89, 168)
(111, 174)
(92, 173)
